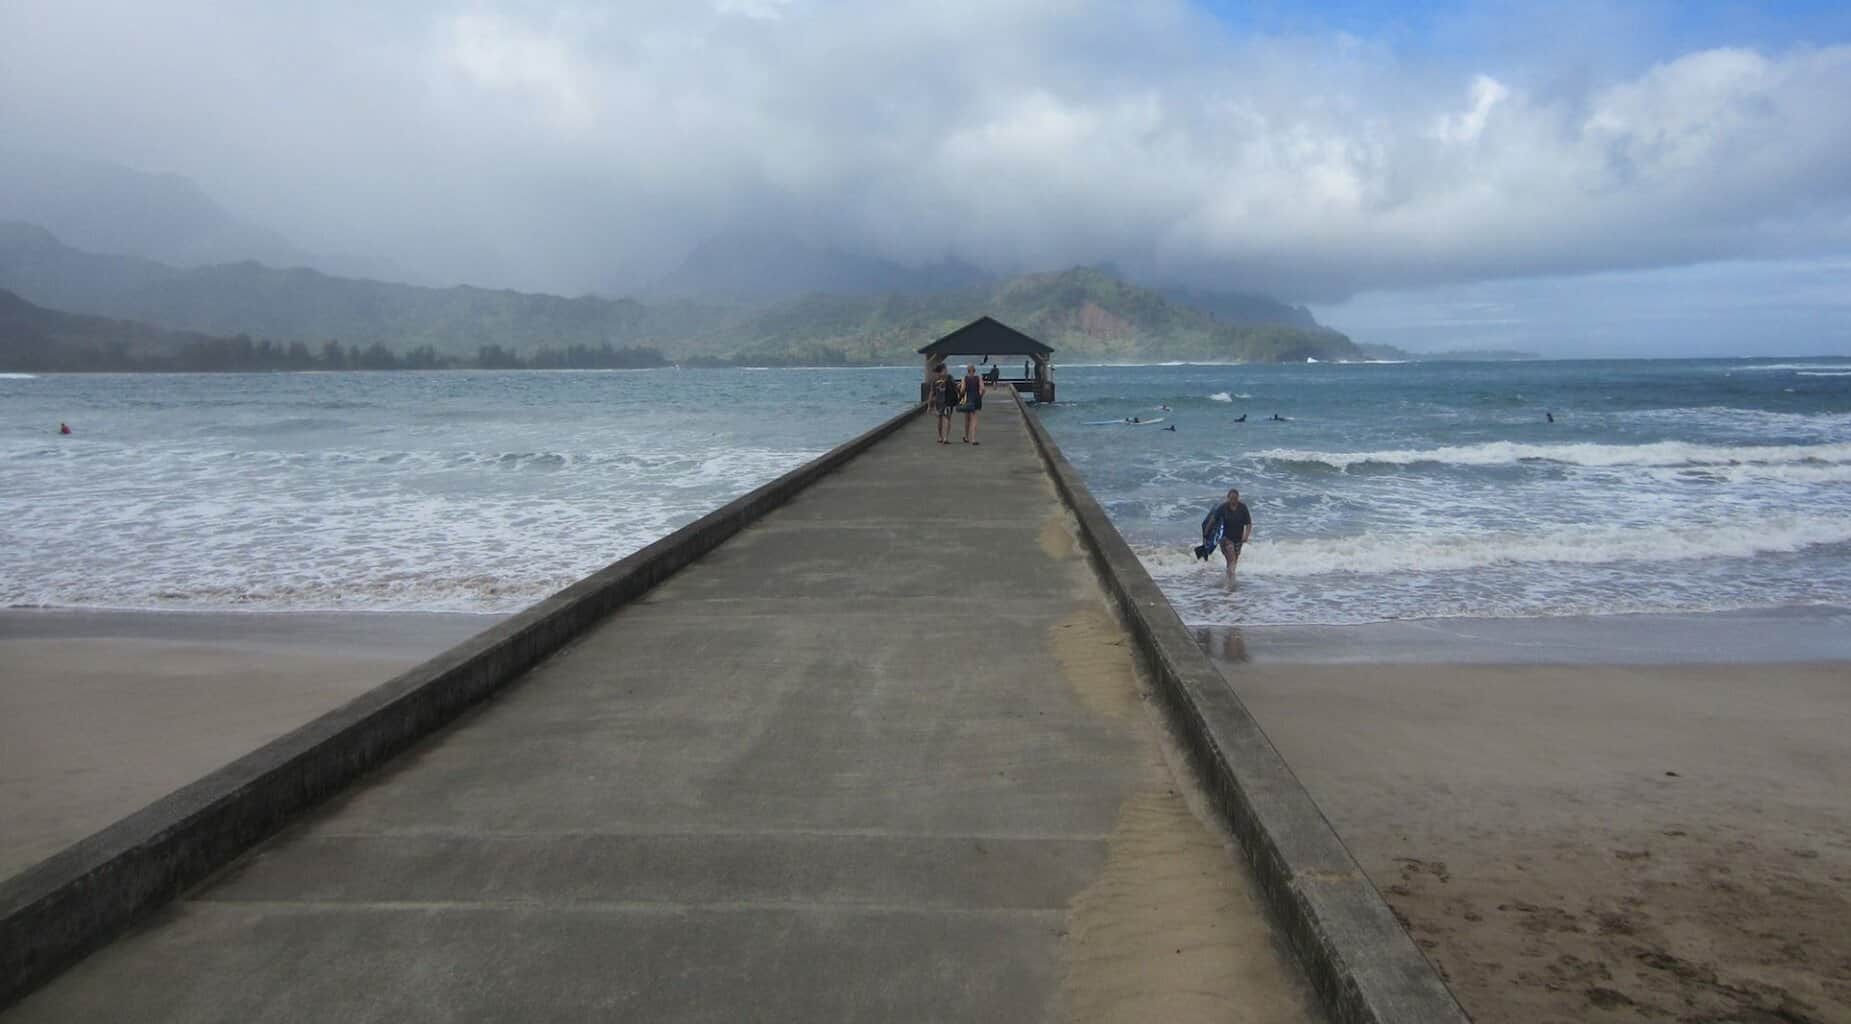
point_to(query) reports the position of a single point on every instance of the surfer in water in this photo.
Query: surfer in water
(64, 428)
(1242, 418)
(1226, 527)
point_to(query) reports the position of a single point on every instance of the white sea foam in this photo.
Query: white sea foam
(1823, 373)
(1798, 473)
(1500, 453)
(1787, 366)
(1561, 543)
(1221, 396)
(19, 376)
(349, 529)
(1750, 421)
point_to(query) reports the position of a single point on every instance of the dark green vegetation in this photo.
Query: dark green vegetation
(38, 340)
(1086, 314)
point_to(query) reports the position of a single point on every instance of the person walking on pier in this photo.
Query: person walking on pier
(941, 399)
(973, 402)
(1227, 526)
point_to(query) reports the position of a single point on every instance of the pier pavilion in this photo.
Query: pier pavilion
(993, 340)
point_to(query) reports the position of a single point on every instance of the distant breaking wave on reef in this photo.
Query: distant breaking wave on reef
(1502, 453)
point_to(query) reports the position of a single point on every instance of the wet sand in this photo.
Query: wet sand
(1172, 929)
(1592, 842)
(104, 712)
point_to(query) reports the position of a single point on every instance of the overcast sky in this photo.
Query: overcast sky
(1575, 177)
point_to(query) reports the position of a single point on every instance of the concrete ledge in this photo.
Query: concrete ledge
(56, 912)
(1360, 960)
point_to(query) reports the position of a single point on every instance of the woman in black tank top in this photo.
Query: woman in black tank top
(973, 403)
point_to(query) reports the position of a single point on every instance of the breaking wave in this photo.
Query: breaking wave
(1788, 366)
(1573, 544)
(1502, 453)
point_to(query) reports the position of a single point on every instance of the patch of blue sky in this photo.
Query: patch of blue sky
(1639, 32)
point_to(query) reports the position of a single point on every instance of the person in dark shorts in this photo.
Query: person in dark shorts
(942, 398)
(1227, 526)
(972, 404)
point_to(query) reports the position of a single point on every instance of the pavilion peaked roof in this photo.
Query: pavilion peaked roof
(984, 336)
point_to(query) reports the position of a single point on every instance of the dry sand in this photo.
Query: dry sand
(104, 712)
(1592, 843)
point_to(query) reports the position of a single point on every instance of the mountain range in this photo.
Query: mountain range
(1087, 314)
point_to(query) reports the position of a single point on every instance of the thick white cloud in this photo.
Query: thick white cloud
(571, 146)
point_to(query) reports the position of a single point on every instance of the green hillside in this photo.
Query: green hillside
(34, 339)
(38, 340)
(1086, 314)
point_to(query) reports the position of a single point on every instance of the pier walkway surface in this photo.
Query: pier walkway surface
(881, 756)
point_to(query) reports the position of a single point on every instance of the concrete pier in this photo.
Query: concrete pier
(882, 755)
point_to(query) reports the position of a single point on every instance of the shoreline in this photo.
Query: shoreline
(1786, 635)
(1780, 635)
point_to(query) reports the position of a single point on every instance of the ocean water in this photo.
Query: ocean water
(455, 491)
(1438, 490)
(1391, 491)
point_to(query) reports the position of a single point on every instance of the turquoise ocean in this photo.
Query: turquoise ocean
(1388, 491)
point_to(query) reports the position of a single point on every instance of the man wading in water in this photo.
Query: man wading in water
(1228, 525)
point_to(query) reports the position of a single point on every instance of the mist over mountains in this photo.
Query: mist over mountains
(763, 266)
(104, 207)
(156, 251)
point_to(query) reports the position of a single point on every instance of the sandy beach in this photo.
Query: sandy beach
(1610, 842)
(107, 711)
